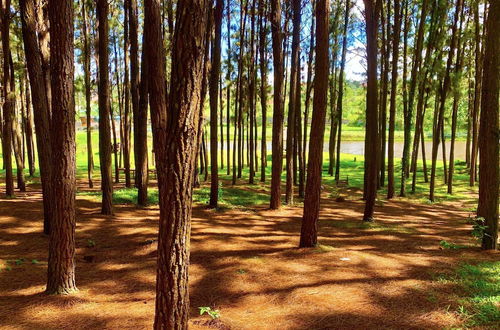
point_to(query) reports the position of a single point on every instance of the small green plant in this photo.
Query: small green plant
(90, 243)
(241, 271)
(478, 227)
(451, 246)
(8, 268)
(213, 313)
(34, 261)
(220, 192)
(19, 261)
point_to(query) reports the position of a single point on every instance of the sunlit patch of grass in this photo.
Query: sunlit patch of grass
(479, 301)
(232, 197)
(321, 248)
(370, 226)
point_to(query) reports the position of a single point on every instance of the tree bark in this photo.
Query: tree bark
(309, 230)
(213, 90)
(392, 106)
(295, 72)
(41, 110)
(86, 71)
(278, 111)
(104, 109)
(341, 89)
(372, 10)
(9, 100)
(438, 131)
(175, 148)
(489, 131)
(61, 261)
(263, 85)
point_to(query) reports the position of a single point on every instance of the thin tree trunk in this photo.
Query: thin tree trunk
(295, 71)
(86, 71)
(9, 100)
(438, 133)
(213, 90)
(228, 90)
(341, 89)
(384, 64)
(41, 105)
(278, 111)
(477, 96)
(392, 106)
(372, 10)
(104, 109)
(263, 29)
(251, 98)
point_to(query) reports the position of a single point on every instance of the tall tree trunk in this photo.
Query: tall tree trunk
(251, 98)
(126, 93)
(117, 147)
(213, 90)
(86, 71)
(384, 64)
(104, 109)
(438, 131)
(41, 106)
(372, 10)
(17, 139)
(309, 84)
(477, 95)
(29, 126)
(228, 89)
(456, 100)
(341, 89)
(61, 261)
(142, 133)
(175, 164)
(278, 111)
(309, 230)
(295, 72)
(9, 100)
(263, 29)
(415, 79)
(392, 106)
(489, 130)
(221, 120)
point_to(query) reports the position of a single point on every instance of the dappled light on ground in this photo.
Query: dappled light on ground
(245, 263)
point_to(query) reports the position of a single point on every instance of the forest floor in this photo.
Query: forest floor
(416, 267)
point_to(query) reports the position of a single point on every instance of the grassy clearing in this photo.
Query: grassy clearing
(478, 300)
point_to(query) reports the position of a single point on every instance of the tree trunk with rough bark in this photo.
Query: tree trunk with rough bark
(213, 91)
(41, 107)
(489, 176)
(104, 109)
(175, 163)
(309, 230)
(61, 260)
(278, 111)
(372, 10)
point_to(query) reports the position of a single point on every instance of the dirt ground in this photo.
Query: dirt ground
(244, 262)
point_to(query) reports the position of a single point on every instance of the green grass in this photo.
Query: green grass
(479, 285)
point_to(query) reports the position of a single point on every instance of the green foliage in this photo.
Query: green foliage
(451, 246)
(213, 313)
(19, 262)
(90, 243)
(478, 227)
(34, 261)
(241, 271)
(480, 302)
